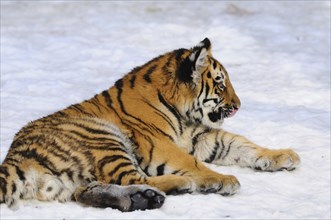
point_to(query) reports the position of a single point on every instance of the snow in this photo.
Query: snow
(56, 53)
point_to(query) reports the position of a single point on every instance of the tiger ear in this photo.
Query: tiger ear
(190, 68)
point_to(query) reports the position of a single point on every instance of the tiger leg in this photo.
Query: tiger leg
(19, 181)
(121, 169)
(203, 179)
(174, 171)
(224, 148)
(174, 184)
(10, 186)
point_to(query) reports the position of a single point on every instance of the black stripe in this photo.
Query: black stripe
(66, 154)
(119, 166)
(93, 140)
(58, 193)
(215, 100)
(258, 158)
(132, 81)
(139, 159)
(227, 152)
(229, 146)
(147, 75)
(42, 160)
(92, 130)
(151, 151)
(135, 70)
(123, 174)
(88, 129)
(202, 89)
(4, 170)
(69, 173)
(163, 115)
(175, 172)
(3, 186)
(80, 109)
(179, 54)
(215, 149)
(215, 84)
(207, 90)
(60, 113)
(162, 132)
(195, 163)
(76, 108)
(214, 64)
(196, 137)
(56, 152)
(197, 54)
(160, 169)
(13, 188)
(212, 156)
(119, 85)
(16, 143)
(109, 103)
(54, 148)
(20, 173)
(132, 181)
(107, 98)
(194, 130)
(109, 159)
(179, 172)
(183, 173)
(95, 103)
(166, 69)
(200, 111)
(94, 121)
(223, 147)
(108, 148)
(11, 161)
(172, 109)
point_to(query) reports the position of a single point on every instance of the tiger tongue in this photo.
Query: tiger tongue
(232, 113)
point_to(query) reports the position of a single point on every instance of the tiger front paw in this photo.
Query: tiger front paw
(224, 185)
(276, 160)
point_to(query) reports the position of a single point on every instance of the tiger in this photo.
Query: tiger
(147, 136)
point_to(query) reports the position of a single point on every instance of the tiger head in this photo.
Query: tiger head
(214, 98)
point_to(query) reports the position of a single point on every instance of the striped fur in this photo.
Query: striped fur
(145, 135)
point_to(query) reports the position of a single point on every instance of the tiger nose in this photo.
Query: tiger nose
(236, 104)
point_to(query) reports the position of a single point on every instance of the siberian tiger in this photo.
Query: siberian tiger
(145, 137)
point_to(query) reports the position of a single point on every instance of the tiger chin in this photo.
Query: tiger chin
(143, 138)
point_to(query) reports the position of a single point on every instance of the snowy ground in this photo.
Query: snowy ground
(56, 53)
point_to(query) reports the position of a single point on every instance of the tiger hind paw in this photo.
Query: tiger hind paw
(148, 199)
(124, 198)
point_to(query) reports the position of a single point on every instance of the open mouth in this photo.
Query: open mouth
(221, 114)
(232, 113)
